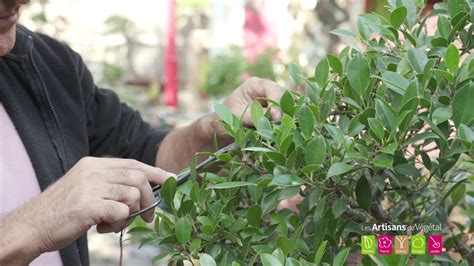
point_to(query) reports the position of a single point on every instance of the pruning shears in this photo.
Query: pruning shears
(183, 177)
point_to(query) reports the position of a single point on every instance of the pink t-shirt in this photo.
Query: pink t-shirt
(18, 183)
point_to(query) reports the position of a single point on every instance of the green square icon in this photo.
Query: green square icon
(368, 244)
(418, 245)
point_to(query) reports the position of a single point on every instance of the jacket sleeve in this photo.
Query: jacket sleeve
(115, 129)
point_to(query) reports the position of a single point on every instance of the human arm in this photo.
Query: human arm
(102, 191)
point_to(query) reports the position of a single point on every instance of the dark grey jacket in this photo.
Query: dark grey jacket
(62, 116)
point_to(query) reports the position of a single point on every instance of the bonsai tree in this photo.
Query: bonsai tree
(381, 135)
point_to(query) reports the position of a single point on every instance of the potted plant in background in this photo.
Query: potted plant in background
(382, 135)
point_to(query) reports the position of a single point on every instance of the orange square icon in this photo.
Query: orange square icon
(401, 244)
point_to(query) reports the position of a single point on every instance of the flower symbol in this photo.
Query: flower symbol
(385, 242)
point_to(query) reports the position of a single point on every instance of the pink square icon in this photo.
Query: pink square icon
(384, 244)
(435, 245)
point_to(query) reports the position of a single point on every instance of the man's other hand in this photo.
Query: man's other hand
(254, 88)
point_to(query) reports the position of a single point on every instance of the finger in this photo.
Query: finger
(268, 89)
(114, 214)
(154, 174)
(129, 195)
(138, 180)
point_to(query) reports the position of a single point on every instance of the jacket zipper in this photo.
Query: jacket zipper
(61, 149)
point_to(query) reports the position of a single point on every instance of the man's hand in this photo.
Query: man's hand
(252, 89)
(178, 147)
(96, 191)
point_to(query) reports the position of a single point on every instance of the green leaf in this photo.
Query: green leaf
(339, 169)
(377, 128)
(335, 63)
(320, 252)
(270, 260)
(451, 57)
(206, 260)
(339, 207)
(385, 114)
(316, 151)
(322, 72)
(256, 112)
(463, 109)
(458, 194)
(224, 113)
(183, 230)
(168, 190)
(254, 216)
(341, 257)
(284, 244)
(398, 16)
(417, 59)
(287, 180)
(441, 114)
(368, 25)
(343, 33)
(287, 103)
(444, 26)
(358, 74)
(306, 119)
(454, 7)
(233, 184)
(295, 74)
(363, 193)
(383, 161)
(408, 169)
(395, 82)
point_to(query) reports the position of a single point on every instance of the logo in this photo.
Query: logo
(384, 244)
(435, 245)
(418, 245)
(401, 244)
(368, 245)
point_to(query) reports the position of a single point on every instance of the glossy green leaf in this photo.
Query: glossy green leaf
(295, 74)
(377, 127)
(287, 180)
(417, 59)
(322, 72)
(341, 257)
(224, 113)
(358, 74)
(320, 252)
(384, 161)
(183, 230)
(234, 184)
(306, 119)
(168, 191)
(451, 58)
(339, 207)
(270, 260)
(463, 108)
(284, 244)
(254, 216)
(363, 193)
(206, 260)
(343, 33)
(316, 151)
(396, 82)
(256, 112)
(398, 16)
(335, 63)
(440, 115)
(287, 103)
(339, 169)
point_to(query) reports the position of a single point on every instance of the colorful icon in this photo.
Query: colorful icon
(435, 245)
(384, 244)
(368, 245)
(418, 245)
(401, 244)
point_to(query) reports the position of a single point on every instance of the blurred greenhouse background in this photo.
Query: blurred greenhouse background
(170, 59)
